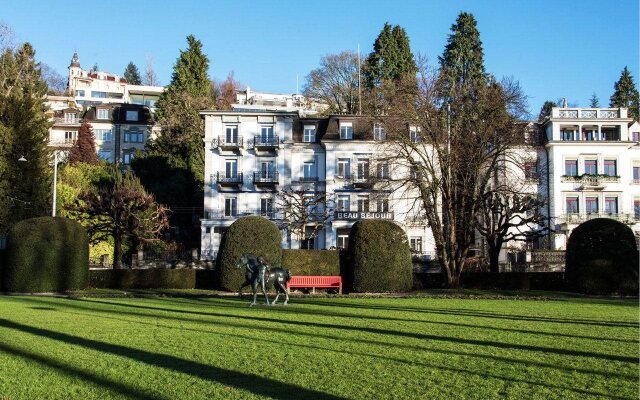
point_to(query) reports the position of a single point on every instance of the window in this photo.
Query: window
(343, 203)
(127, 157)
(531, 170)
(346, 131)
(101, 95)
(379, 133)
(342, 238)
(416, 244)
(230, 206)
(133, 137)
(590, 134)
(344, 170)
(591, 205)
(611, 205)
(571, 167)
(80, 93)
(363, 203)
(70, 118)
(309, 171)
(590, 167)
(309, 134)
(231, 134)
(266, 169)
(70, 136)
(105, 155)
(572, 205)
(610, 168)
(308, 243)
(383, 170)
(567, 134)
(266, 207)
(382, 204)
(363, 169)
(231, 168)
(414, 134)
(636, 172)
(636, 209)
(104, 135)
(103, 113)
(635, 136)
(266, 134)
(132, 115)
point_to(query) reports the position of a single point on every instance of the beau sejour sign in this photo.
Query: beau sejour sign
(355, 215)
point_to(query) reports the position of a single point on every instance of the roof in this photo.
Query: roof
(362, 126)
(119, 112)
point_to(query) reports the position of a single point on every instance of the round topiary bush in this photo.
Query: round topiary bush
(602, 258)
(254, 235)
(47, 254)
(379, 257)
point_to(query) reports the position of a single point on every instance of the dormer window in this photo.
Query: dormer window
(103, 113)
(132, 115)
(379, 133)
(309, 134)
(70, 118)
(346, 131)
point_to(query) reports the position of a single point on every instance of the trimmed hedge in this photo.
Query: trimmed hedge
(311, 262)
(379, 257)
(602, 258)
(47, 254)
(256, 235)
(157, 278)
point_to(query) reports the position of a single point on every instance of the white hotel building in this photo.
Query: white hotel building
(250, 155)
(587, 165)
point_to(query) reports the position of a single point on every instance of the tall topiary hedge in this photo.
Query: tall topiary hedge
(379, 257)
(47, 254)
(254, 235)
(311, 262)
(602, 258)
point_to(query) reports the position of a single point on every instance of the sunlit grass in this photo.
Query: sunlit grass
(409, 348)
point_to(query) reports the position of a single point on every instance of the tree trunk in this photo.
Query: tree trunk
(494, 254)
(117, 251)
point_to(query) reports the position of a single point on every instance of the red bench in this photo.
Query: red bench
(313, 282)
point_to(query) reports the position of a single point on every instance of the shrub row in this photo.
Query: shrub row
(47, 254)
(312, 262)
(497, 281)
(151, 279)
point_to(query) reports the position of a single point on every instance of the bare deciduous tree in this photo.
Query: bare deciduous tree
(150, 77)
(304, 210)
(56, 83)
(444, 155)
(225, 92)
(335, 83)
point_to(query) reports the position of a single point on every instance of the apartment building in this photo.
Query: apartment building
(593, 165)
(251, 100)
(251, 156)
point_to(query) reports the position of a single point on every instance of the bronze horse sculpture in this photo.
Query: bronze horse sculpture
(258, 272)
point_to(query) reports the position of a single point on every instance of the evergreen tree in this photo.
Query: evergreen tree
(132, 75)
(626, 95)
(84, 149)
(594, 101)
(391, 57)
(545, 110)
(177, 154)
(25, 186)
(462, 62)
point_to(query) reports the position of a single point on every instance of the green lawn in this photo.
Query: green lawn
(317, 348)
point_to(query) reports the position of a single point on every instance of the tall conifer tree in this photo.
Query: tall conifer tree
(25, 186)
(626, 95)
(391, 57)
(132, 75)
(462, 62)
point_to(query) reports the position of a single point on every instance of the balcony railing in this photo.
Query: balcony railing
(588, 113)
(266, 178)
(228, 143)
(222, 178)
(575, 219)
(232, 215)
(361, 180)
(260, 142)
(591, 181)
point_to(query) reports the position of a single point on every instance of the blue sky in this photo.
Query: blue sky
(554, 48)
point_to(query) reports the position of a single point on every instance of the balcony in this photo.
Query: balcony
(586, 181)
(224, 179)
(361, 181)
(225, 215)
(565, 220)
(309, 179)
(222, 142)
(266, 143)
(270, 178)
(587, 113)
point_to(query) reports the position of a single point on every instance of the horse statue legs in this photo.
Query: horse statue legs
(280, 278)
(261, 278)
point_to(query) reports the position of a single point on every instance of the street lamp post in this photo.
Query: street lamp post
(55, 182)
